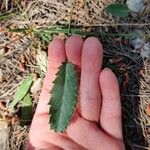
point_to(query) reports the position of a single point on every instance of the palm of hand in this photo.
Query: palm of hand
(97, 123)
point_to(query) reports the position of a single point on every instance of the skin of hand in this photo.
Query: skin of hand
(96, 125)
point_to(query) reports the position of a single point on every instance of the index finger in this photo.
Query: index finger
(56, 55)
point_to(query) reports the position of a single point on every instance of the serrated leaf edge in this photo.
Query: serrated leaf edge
(75, 103)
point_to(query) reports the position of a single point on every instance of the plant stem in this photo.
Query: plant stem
(54, 30)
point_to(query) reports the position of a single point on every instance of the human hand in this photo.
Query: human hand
(97, 123)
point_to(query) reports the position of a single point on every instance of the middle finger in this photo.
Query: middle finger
(91, 62)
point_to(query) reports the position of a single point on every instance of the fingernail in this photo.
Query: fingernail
(107, 69)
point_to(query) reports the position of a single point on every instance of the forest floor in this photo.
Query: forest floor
(26, 28)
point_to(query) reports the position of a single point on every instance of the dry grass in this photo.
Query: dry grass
(47, 13)
(145, 101)
(86, 15)
(14, 46)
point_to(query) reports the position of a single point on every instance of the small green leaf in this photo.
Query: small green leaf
(26, 100)
(22, 90)
(64, 97)
(118, 10)
(26, 110)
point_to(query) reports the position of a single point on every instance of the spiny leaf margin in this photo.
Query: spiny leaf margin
(63, 97)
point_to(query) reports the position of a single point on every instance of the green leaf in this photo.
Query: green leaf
(26, 110)
(26, 100)
(63, 97)
(46, 37)
(118, 10)
(22, 90)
